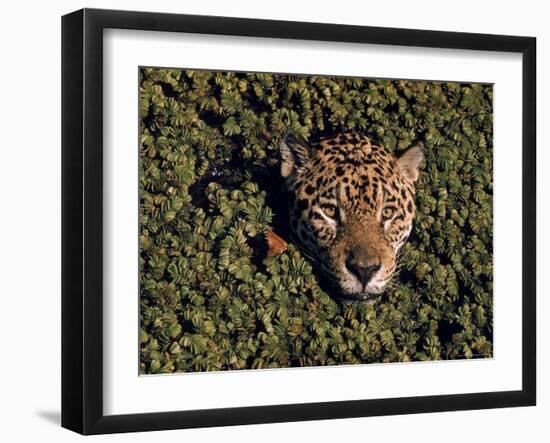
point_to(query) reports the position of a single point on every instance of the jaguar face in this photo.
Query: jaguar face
(351, 208)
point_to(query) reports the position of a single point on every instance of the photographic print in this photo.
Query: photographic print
(291, 220)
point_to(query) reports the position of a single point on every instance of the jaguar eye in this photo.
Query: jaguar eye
(329, 210)
(388, 212)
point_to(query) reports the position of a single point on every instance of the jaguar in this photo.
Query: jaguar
(351, 208)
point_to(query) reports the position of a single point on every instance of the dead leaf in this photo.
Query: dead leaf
(275, 244)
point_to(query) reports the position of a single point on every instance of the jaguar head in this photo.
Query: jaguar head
(351, 208)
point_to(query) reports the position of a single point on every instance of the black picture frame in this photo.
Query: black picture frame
(82, 214)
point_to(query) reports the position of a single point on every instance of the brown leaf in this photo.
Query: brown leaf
(276, 245)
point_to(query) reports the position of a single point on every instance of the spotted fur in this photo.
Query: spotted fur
(351, 208)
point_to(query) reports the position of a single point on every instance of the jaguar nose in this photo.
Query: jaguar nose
(364, 273)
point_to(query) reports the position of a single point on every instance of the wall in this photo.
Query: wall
(30, 218)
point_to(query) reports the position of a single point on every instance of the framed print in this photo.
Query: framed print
(269, 221)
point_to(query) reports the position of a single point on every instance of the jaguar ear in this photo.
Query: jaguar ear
(295, 154)
(409, 162)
